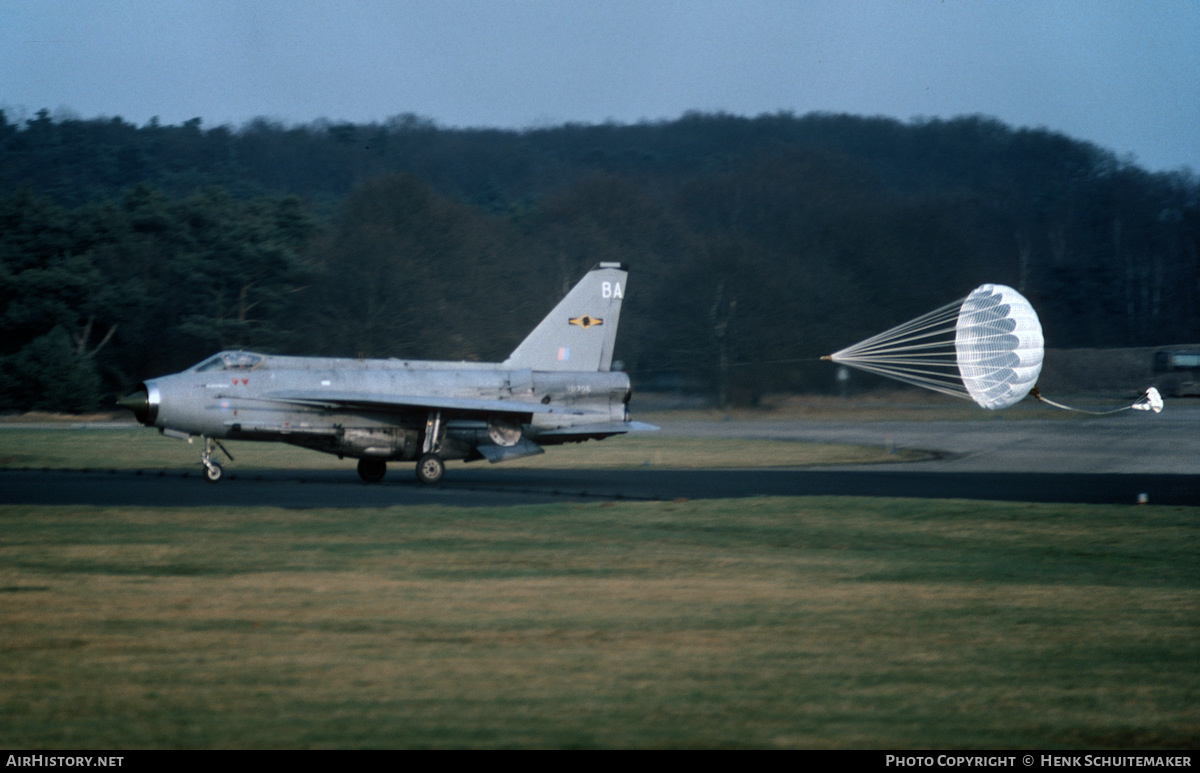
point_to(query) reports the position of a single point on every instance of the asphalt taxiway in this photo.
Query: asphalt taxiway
(1123, 458)
(496, 487)
(1120, 443)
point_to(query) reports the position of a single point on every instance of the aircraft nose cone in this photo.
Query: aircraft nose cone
(138, 402)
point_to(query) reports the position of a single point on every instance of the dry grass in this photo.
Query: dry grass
(819, 622)
(127, 448)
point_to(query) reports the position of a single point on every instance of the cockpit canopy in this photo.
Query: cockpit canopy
(230, 361)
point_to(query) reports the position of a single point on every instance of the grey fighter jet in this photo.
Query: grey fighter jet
(556, 387)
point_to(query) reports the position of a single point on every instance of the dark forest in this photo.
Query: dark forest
(754, 244)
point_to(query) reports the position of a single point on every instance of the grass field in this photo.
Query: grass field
(136, 448)
(815, 622)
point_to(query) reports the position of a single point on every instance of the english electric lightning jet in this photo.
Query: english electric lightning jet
(556, 387)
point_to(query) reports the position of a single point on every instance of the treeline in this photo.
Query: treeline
(754, 243)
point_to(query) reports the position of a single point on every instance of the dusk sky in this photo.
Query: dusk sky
(1123, 75)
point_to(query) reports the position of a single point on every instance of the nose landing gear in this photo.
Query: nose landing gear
(212, 470)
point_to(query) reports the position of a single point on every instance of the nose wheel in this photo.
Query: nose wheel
(212, 470)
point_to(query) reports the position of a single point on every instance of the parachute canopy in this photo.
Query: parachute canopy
(998, 341)
(986, 347)
(1150, 400)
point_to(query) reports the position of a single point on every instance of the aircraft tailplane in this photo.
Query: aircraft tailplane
(579, 334)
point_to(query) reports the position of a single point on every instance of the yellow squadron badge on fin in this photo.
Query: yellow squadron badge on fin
(586, 321)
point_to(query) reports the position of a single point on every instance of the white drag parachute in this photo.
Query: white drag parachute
(986, 347)
(1150, 400)
(999, 346)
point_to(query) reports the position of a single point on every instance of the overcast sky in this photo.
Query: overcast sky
(1124, 75)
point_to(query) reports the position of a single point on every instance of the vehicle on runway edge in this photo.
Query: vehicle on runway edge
(556, 387)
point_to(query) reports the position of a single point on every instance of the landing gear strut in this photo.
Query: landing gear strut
(430, 467)
(212, 470)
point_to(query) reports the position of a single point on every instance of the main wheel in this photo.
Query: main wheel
(212, 472)
(372, 470)
(430, 469)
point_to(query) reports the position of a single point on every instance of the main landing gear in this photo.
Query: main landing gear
(212, 470)
(430, 467)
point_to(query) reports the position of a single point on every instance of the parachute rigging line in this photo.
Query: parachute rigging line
(1150, 400)
(986, 347)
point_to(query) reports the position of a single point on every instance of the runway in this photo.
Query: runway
(1122, 443)
(1123, 458)
(492, 487)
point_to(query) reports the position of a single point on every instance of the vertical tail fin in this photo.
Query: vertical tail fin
(581, 331)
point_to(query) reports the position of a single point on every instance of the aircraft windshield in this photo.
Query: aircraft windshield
(230, 361)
